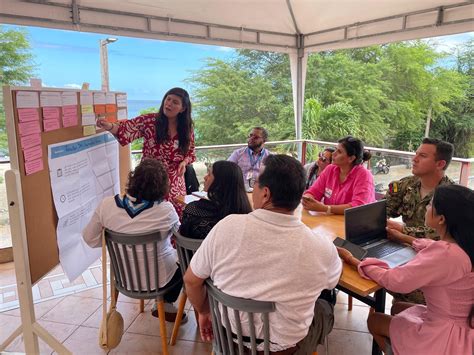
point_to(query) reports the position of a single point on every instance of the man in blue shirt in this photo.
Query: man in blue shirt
(250, 158)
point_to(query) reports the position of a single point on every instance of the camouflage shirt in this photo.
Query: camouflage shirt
(403, 199)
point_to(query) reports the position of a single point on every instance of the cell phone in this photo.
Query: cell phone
(358, 252)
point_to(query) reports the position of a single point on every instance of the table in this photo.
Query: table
(350, 282)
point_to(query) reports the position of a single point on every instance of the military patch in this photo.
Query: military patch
(393, 187)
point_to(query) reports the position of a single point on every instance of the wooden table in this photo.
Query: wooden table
(350, 282)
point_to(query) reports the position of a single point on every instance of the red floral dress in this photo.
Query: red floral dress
(168, 151)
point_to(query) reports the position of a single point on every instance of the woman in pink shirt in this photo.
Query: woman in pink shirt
(344, 184)
(442, 269)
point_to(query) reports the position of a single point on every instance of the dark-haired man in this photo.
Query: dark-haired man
(409, 196)
(270, 255)
(250, 158)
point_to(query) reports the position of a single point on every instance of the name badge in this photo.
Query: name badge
(249, 175)
(327, 192)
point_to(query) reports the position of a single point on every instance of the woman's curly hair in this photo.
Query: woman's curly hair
(149, 181)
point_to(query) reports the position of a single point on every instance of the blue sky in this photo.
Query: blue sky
(143, 68)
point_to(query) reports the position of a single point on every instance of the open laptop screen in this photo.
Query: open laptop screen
(367, 222)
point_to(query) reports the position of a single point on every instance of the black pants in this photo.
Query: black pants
(172, 295)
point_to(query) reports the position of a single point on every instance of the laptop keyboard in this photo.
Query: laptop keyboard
(384, 249)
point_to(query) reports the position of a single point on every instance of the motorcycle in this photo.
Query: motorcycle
(381, 167)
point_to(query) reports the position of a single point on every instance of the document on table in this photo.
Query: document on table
(82, 172)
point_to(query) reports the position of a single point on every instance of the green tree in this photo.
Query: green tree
(16, 67)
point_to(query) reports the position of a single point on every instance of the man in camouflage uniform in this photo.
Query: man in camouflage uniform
(409, 196)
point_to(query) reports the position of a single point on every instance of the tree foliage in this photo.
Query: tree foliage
(16, 67)
(382, 94)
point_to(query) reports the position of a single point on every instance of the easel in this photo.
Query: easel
(29, 327)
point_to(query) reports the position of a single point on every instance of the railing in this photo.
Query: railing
(306, 150)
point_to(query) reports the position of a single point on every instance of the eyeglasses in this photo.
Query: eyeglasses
(254, 136)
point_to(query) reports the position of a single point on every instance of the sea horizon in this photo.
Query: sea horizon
(135, 106)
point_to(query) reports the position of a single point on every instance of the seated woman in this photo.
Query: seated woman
(226, 195)
(314, 169)
(143, 209)
(343, 184)
(443, 270)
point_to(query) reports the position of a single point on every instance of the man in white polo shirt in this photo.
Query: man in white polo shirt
(270, 255)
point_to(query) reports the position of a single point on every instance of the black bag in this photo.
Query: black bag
(329, 296)
(190, 179)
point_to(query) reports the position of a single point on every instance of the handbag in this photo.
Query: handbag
(111, 327)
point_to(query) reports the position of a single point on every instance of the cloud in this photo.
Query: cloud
(73, 86)
(224, 49)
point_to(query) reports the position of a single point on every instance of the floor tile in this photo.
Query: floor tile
(73, 310)
(91, 293)
(60, 331)
(84, 340)
(8, 324)
(129, 312)
(345, 342)
(351, 320)
(40, 308)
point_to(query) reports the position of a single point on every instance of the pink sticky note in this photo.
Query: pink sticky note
(51, 113)
(33, 153)
(27, 128)
(30, 141)
(28, 114)
(51, 125)
(33, 166)
(70, 110)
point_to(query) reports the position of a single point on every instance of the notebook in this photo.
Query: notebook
(365, 226)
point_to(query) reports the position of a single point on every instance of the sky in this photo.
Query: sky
(143, 68)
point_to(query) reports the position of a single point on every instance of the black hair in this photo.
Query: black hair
(355, 147)
(285, 178)
(264, 132)
(228, 190)
(149, 181)
(185, 122)
(444, 150)
(330, 150)
(456, 204)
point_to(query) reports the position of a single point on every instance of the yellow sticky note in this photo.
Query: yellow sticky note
(88, 130)
(87, 109)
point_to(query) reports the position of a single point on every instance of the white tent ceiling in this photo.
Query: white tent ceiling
(296, 27)
(263, 24)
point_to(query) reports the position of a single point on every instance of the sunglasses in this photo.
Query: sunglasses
(323, 158)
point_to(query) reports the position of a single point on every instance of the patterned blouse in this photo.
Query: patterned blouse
(168, 152)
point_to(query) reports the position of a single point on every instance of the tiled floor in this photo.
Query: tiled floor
(74, 320)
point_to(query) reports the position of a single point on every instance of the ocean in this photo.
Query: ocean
(135, 106)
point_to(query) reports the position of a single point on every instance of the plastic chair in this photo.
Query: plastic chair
(186, 248)
(129, 272)
(220, 305)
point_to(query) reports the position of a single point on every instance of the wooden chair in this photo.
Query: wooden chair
(186, 248)
(221, 304)
(136, 279)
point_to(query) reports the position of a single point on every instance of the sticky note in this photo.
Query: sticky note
(110, 98)
(27, 99)
(51, 113)
(88, 130)
(27, 128)
(33, 166)
(28, 114)
(109, 108)
(99, 98)
(33, 153)
(30, 141)
(122, 100)
(88, 119)
(87, 109)
(122, 114)
(68, 98)
(99, 109)
(51, 125)
(86, 98)
(50, 98)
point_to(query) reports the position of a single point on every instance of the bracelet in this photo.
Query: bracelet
(328, 211)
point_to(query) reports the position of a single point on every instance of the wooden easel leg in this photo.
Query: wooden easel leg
(50, 340)
(12, 337)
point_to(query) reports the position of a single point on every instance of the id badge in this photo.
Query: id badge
(249, 175)
(327, 192)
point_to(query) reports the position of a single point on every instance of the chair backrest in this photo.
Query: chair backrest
(134, 260)
(221, 304)
(186, 247)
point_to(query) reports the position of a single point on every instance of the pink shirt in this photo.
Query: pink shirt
(358, 188)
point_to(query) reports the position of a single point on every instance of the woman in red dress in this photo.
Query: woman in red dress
(167, 136)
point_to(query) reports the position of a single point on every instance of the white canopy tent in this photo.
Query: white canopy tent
(296, 27)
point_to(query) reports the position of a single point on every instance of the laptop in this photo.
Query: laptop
(365, 226)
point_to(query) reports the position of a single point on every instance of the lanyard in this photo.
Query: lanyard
(253, 161)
